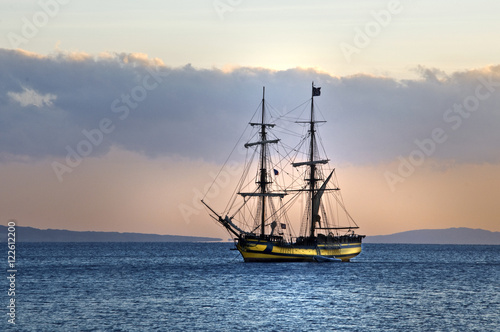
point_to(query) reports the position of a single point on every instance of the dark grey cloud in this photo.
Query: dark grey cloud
(47, 102)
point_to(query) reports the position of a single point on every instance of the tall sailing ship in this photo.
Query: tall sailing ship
(290, 179)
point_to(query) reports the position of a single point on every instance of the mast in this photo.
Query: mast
(314, 194)
(263, 171)
(262, 178)
(312, 178)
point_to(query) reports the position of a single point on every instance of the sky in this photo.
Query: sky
(116, 115)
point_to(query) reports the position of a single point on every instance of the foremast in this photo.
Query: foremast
(263, 169)
(263, 180)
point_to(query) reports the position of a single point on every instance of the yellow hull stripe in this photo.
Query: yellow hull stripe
(272, 252)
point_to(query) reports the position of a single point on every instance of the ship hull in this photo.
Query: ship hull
(262, 250)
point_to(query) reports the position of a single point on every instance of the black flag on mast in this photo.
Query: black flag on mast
(316, 91)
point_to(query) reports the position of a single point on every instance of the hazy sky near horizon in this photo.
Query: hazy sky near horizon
(115, 115)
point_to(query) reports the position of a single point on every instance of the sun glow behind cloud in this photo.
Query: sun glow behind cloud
(279, 35)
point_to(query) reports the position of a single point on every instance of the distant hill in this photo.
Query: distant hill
(30, 234)
(422, 236)
(439, 236)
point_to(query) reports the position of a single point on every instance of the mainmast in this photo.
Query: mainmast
(312, 165)
(314, 194)
(263, 170)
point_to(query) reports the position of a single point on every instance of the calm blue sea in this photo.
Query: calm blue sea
(207, 287)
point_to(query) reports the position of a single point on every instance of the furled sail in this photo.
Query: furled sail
(317, 198)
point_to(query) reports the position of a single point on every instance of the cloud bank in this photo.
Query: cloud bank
(49, 105)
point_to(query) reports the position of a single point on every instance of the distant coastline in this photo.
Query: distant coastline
(31, 234)
(460, 235)
(423, 236)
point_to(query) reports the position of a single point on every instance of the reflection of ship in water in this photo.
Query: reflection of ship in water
(257, 213)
